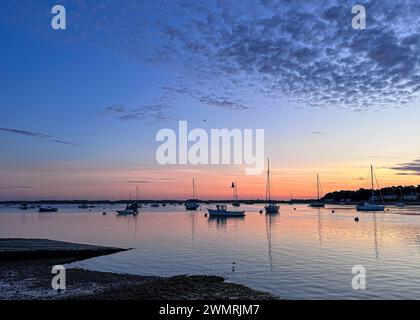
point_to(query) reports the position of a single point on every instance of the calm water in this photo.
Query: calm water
(302, 253)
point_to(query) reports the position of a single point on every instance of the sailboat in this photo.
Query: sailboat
(271, 207)
(131, 208)
(318, 203)
(192, 204)
(402, 203)
(370, 206)
(235, 201)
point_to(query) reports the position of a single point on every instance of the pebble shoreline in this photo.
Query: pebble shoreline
(28, 279)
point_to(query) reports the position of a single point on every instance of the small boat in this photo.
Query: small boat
(31, 206)
(154, 205)
(271, 207)
(47, 209)
(83, 206)
(318, 203)
(371, 206)
(192, 204)
(235, 202)
(221, 211)
(132, 208)
(23, 206)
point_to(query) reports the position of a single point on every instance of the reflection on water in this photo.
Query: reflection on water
(302, 253)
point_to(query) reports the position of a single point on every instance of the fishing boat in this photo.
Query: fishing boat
(271, 207)
(221, 211)
(47, 209)
(370, 206)
(192, 204)
(235, 201)
(402, 203)
(318, 203)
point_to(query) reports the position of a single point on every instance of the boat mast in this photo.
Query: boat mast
(235, 191)
(317, 186)
(194, 193)
(371, 176)
(268, 191)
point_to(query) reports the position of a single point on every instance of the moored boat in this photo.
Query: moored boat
(192, 204)
(221, 211)
(47, 209)
(132, 208)
(371, 206)
(23, 206)
(271, 207)
(318, 203)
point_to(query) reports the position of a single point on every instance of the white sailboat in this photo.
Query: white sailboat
(192, 204)
(271, 207)
(370, 206)
(318, 203)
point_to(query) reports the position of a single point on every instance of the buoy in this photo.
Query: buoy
(103, 213)
(356, 219)
(294, 209)
(260, 211)
(205, 214)
(333, 211)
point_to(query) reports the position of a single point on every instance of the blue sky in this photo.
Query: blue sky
(79, 109)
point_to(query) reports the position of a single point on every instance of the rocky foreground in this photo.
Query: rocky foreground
(29, 278)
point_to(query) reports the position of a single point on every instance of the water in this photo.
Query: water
(303, 253)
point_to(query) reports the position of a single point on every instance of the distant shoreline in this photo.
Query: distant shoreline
(181, 202)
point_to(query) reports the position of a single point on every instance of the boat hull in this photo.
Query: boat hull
(191, 205)
(47, 210)
(370, 207)
(272, 209)
(126, 212)
(317, 205)
(227, 213)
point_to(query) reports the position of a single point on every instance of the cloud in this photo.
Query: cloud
(302, 52)
(150, 180)
(154, 113)
(38, 135)
(409, 168)
(15, 188)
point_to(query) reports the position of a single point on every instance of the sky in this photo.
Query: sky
(80, 108)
